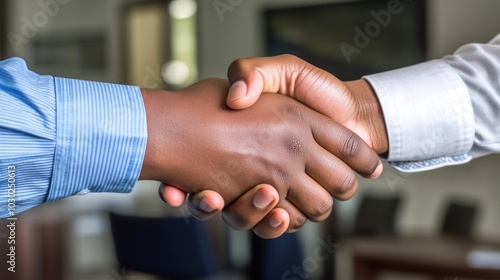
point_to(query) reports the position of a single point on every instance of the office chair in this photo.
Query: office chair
(376, 215)
(171, 248)
(272, 258)
(458, 219)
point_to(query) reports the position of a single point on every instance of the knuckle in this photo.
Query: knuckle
(237, 66)
(348, 182)
(352, 146)
(289, 57)
(293, 145)
(294, 111)
(322, 210)
(295, 65)
(371, 165)
(282, 176)
(297, 223)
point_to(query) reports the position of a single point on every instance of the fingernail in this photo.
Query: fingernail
(262, 199)
(205, 206)
(238, 90)
(377, 171)
(160, 192)
(275, 222)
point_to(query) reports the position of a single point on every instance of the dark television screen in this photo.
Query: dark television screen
(350, 39)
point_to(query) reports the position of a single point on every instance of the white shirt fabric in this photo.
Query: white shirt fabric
(442, 112)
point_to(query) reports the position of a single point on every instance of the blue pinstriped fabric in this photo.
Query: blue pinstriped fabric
(60, 137)
(27, 133)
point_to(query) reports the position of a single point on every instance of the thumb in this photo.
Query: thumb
(244, 94)
(291, 76)
(249, 77)
(284, 74)
(171, 195)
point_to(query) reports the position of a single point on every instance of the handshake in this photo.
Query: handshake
(267, 161)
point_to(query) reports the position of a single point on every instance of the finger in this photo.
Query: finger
(244, 214)
(297, 218)
(249, 77)
(311, 198)
(340, 182)
(310, 85)
(273, 225)
(171, 195)
(285, 74)
(205, 204)
(251, 207)
(344, 144)
(243, 94)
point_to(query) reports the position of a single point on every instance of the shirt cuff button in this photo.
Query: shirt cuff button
(83, 192)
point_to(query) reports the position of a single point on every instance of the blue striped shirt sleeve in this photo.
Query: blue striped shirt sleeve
(61, 137)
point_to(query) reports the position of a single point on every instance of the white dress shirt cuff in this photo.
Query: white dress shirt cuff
(428, 115)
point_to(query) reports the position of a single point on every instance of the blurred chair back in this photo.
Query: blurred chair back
(172, 248)
(272, 258)
(376, 215)
(458, 219)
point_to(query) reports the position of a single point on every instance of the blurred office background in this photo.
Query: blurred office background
(441, 224)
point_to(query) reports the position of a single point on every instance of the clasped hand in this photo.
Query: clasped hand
(275, 164)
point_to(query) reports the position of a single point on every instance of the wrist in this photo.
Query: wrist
(369, 114)
(154, 158)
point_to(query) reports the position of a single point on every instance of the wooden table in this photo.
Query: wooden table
(437, 257)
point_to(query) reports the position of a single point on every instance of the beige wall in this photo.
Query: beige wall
(457, 22)
(237, 34)
(72, 17)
